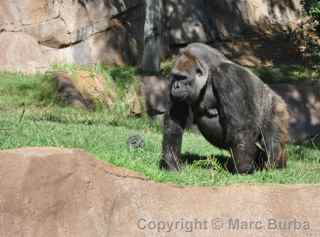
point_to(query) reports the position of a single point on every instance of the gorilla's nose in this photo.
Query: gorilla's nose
(176, 85)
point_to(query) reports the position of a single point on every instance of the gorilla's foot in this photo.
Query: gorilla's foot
(167, 165)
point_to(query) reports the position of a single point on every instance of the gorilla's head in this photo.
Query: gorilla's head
(188, 77)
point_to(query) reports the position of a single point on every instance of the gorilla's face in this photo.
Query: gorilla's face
(188, 77)
(182, 86)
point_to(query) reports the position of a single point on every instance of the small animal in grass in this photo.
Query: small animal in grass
(136, 142)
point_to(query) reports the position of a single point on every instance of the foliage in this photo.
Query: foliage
(312, 8)
(166, 66)
(310, 31)
(23, 90)
(285, 73)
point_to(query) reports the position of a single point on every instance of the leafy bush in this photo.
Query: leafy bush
(311, 31)
(166, 66)
(312, 8)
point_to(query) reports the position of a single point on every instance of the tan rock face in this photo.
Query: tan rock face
(57, 192)
(21, 52)
(75, 32)
(56, 23)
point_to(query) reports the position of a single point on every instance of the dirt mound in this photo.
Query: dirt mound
(59, 192)
(84, 89)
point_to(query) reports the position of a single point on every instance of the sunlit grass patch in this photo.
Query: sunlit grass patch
(31, 116)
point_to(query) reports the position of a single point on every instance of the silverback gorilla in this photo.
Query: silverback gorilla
(205, 85)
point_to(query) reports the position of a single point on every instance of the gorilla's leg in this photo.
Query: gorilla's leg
(176, 120)
(244, 151)
(280, 157)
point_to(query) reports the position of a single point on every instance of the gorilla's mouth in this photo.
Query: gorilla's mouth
(179, 94)
(180, 88)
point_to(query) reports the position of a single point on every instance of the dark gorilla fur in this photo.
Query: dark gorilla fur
(253, 120)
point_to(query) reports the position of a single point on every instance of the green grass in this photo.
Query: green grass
(27, 118)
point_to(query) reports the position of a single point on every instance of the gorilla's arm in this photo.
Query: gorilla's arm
(237, 113)
(176, 120)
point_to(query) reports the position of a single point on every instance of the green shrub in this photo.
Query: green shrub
(312, 8)
(310, 31)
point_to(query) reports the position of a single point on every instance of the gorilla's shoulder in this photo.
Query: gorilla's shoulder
(238, 72)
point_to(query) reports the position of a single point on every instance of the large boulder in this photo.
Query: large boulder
(62, 192)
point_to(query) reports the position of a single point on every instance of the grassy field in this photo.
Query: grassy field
(31, 116)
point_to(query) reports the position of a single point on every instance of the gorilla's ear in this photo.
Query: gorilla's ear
(236, 91)
(202, 73)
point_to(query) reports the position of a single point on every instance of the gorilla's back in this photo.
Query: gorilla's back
(206, 53)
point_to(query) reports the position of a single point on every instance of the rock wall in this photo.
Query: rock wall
(73, 31)
(56, 192)
(205, 20)
(111, 31)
